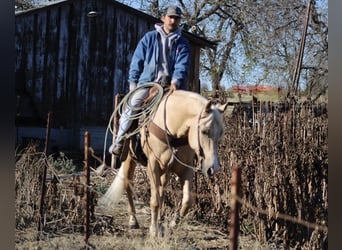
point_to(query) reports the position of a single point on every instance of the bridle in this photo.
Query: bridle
(199, 153)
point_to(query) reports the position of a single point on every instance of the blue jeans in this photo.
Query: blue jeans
(135, 102)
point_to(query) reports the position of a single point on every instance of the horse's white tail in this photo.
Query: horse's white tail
(115, 191)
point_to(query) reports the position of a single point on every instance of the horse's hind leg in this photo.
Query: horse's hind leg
(130, 165)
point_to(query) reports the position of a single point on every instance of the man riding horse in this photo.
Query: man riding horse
(161, 56)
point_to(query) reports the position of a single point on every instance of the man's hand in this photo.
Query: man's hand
(173, 87)
(132, 85)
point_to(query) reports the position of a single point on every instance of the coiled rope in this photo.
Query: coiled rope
(147, 110)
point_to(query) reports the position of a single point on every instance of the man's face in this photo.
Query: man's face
(171, 23)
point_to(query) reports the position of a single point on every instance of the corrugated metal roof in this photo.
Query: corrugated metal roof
(200, 41)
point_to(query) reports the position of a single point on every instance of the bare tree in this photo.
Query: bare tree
(257, 40)
(275, 41)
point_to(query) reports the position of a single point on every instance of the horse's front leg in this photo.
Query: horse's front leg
(164, 178)
(129, 168)
(185, 176)
(187, 199)
(153, 172)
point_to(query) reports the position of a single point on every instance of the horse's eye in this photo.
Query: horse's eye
(205, 131)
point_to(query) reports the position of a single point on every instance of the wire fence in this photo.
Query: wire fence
(282, 154)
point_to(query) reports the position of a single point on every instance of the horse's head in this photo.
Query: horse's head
(204, 135)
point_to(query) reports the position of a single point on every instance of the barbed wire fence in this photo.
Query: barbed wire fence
(282, 155)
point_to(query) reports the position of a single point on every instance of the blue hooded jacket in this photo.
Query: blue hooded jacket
(144, 64)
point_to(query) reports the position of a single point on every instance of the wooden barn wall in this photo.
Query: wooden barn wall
(73, 65)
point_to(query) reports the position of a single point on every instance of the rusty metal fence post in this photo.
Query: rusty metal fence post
(43, 180)
(235, 206)
(87, 184)
(116, 118)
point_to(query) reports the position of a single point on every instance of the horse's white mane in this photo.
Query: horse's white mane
(191, 94)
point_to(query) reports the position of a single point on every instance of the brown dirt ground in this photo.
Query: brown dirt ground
(188, 234)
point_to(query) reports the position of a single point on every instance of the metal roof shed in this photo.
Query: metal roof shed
(73, 64)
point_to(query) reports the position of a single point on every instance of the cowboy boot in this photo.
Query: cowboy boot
(116, 149)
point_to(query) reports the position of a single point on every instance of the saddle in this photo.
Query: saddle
(133, 144)
(153, 91)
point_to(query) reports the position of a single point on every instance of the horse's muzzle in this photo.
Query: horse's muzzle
(210, 172)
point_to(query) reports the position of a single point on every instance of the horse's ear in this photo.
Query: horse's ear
(208, 106)
(222, 107)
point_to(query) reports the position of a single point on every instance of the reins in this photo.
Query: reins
(200, 154)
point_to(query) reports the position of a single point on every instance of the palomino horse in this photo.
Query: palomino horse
(182, 115)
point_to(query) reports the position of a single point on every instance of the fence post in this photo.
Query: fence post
(115, 127)
(87, 175)
(42, 193)
(235, 206)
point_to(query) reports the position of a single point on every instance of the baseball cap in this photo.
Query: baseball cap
(173, 11)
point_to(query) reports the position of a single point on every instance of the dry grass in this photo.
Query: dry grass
(189, 234)
(109, 229)
(283, 158)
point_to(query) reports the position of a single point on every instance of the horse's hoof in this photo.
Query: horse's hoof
(134, 226)
(172, 224)
(175, 220)
(133, 222)
(161, 231)
(153, 233)
(158, 231)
